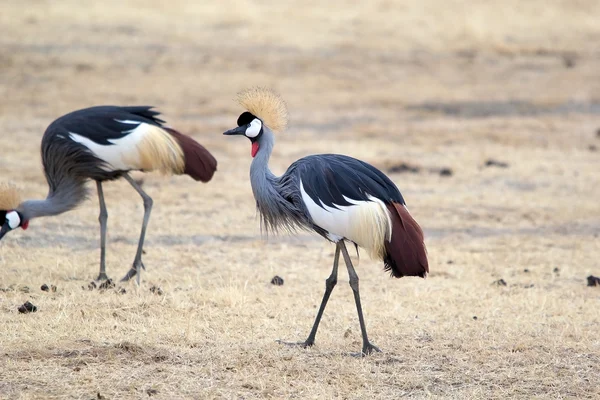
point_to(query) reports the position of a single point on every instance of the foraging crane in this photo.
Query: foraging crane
(339, 197)
(101, 144)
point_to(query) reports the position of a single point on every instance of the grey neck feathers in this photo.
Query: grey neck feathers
(66, 196)
(276, 198)
(259, 170)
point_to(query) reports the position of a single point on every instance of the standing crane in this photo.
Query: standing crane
(338, 197)
(105, 143)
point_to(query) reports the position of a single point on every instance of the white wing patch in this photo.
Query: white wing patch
(123, 154)
(366, 223)
(128, 121)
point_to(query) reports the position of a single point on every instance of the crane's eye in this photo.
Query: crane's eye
(13, 220)
(254, 128)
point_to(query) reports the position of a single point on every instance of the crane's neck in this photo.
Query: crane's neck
(271, 193)
(260, 174)
(66, 196)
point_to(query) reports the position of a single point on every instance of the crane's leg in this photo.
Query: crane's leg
(103, 218)
(367, 348)
(329, 285)
(137, 262)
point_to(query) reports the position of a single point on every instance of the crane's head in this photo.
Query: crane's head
(265, 109)
(9, 216)
(12, 220)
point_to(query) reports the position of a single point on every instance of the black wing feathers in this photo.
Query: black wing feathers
(100, 124)
(328, 178)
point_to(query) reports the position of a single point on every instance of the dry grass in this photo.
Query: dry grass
(434, 84)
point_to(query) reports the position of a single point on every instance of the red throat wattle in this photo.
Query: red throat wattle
(25, 225)
(254, 148)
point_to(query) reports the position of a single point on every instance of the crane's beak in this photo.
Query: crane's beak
(240, 130)
(4, 230)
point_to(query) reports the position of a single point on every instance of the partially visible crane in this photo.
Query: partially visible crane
(105, 143)
(339, 197)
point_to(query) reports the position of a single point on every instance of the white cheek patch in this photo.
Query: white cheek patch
(13, 220)
(254, 128)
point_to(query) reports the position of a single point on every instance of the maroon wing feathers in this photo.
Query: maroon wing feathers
(199, 163)
(406, 254)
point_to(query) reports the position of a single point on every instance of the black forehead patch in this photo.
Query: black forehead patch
(245, 118)
(2, 216)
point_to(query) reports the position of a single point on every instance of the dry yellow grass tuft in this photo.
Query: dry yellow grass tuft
(439, 86)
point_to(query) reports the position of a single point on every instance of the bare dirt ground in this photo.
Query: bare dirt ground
(434, 85)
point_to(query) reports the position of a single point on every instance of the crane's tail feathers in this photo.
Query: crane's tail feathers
(199, 163)
(406, 254)
(159, 151)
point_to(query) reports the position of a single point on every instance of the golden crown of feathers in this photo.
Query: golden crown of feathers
(9, 197)
(265, 104)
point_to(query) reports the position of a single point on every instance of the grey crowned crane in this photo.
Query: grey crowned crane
(338, 197)
(105, 143)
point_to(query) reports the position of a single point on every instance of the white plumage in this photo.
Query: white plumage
(366, 223)
(145, 147)
(122, 154)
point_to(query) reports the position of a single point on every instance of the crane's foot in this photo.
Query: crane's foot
(102, 277)
(304, 344)
(133, 271)
(130, 274)
(368, 348)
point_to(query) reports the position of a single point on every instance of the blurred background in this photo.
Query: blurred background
(432, 92)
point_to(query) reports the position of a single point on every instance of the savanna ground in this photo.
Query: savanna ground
(435, 84)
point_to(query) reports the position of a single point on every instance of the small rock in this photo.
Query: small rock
(499, 282)
(45, 288)
(403, 167)
(449, 262)
(525, 270)
(528, 286)
(495, 163)
(556, 270)
(121, 290)
(446, 172)
(592, 147)
(277, 280)
(475, 317)
(53, 288)
(156, 290)
(593, 280)
(151, 392)
(107, 284)
(27, 307)
(99, 396)
(568, 60)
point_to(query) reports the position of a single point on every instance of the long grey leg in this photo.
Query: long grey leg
(103, 218)
(368, 348)
(329, 285)
(137, 262)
